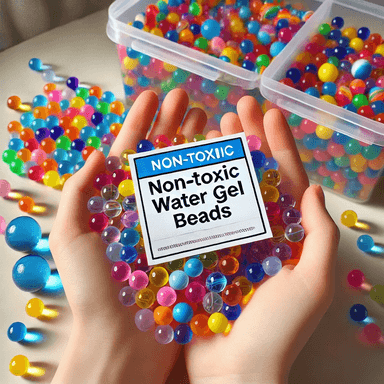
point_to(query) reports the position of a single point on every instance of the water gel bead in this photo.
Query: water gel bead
(365, 243)
(112, 208)
(127, 296)
(216, 282)
(120, 271)
(166, 296)
(272, 265)
(244, 284)
(138, 280)
(195, 292)
(209, 259)
(228, 265)
(193, 267)
(217, 322)
(182, 312)
(212, 302)
(23, 234)
(358, 312)
(254, 272)
(199, 324)
(294, 233)
(158, 276)
(144, 319)
(145, 298)
(26, 204)
(283, 251)
(95, 204)
(130, 219)
(109, 192)
(291, 216)
(164, 334)
(183, 333)
(232, 295)
(178, 280)
(113, 251)
(130, 237)
(110, 235)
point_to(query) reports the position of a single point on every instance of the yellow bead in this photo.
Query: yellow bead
(157, 32)
(358, 163)
(328, 72)
(380, 50)
(126, 188)
(349, 218)
(169, 67)
(124, 156)
(77, 102)
(173, 18)
(324, 132)
(272, 177)
(350, 32)
(131, 81)
(228, 329)
(217, 322)
(329, 99)
(79, 122)
(19, 365)
(145, 298)
(357, 44)
(269, 193)
(158, 276)
(231, 53)
(306, 155)
(34, 307)
(51, 179)
(130, 63)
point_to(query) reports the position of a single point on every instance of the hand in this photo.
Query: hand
(105, 346)
(285, 310)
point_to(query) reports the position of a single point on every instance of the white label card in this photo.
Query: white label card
(198, 197)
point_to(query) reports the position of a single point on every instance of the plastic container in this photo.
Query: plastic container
(223, 83)
(357, 178)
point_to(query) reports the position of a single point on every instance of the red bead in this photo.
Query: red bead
(366, 111)
(313, 48)
(273, 211)
(308, 80)
(232, 295)
(100, 180)
(118, 176)
(355, 278)
(98, 222)
(260, 50)
(285, 35)
(372, 333)
(287, 81)
(36, 173)
(31, 144)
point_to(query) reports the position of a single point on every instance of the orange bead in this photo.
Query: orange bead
(49, 165)
(377, 163)
(40, 113)
(24, 154)
(14, 126)
(95, 91)
(49, 87)
(26, 204)
(65, 122)
(297, 249)
(199, 324)
(53, 108)
(72, 133)
(14, 102)
(48, 145)
(228, 265)
(179, 139)
(163, 315)
(86, 152)
(27, 134)
(232, 295)
(115, 128)
(117, 107)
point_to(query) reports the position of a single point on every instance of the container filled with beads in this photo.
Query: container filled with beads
(215, 50)
(330, 84)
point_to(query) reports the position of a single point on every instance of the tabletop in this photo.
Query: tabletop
(82, 49)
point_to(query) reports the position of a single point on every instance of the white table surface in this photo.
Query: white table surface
(82, 49)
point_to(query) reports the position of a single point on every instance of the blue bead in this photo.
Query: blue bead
(253, 27)
(144, 146)
(111, 118)
(344, 41)
(39, 101)
(377, 107)
(16, 144)
(144, 59)
(254, 272)
(350, 51)
(246, 46)
(77, 145)
(129, 237)
(365, 243)
(361, 69)
(322, 144)
(86, 132)
(172, 35)
(270, 163)
(73, 83)
(332, 166)
(97, 118)
(358, 312)
(193, 267)
(143, 81)
(128, 254)
(207, 86)
(371, 173)
(350, 107)
(17, 332)
(128, 90)
(92, 101)
(311, 68)
(328, 52)
(101, 130)
(247, 64)
(349, 174)
(138, 24)
(345, 65)
(232, 313)
(56, 132)
(216, 282)
(195, 29)
(108, 97)
(183, 334)
(264, 37)
(52, 121)
(258, 159)
(294, 74)
(225, 58)
(42, 133)
(31, 273)
(310, 141)
(354, 185)
(282, 23)
(64, 104)
(276, 48)
(78, 166)
(182, 312)
(363, 33)
(337, 22)
(131, 53)
(26, 119)
(340, 52)
(178, 280)
(210, 29)
(245, 13)
(37, 124)
(60, 154)
(74, 157)
(312, 166)
(313, 92)
(36, 64)
(335, 34)
(22, 234)
(65, 167)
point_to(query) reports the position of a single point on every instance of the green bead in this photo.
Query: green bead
(349, 174)
(94, 142)
(352, 147)
(221, 92)
(180, 76)
(63, 142)
(371, 152)
(324, 29)
(294, 120)
(359, 100)
(198, 137)
(333, 60)
(175, 265)
(17, 167)
(195, 9)
(102, 107)
(328, 182)
(201, 43)
(342, 161)
(160, 17)
(9, 155)
(377, 293)
(263, 61)
(82, 92)
(209, 259)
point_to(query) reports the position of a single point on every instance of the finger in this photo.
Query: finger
(230, 124)
(170, 115)
(318, 258)
(284, 151)
(137, 123)
(78, 190)
(194, 123)
(251, 118)
(213, 134)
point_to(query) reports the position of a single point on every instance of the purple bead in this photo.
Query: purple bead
(164, 334)
(291, 215)
(41, 134)
(286, 201)
(283, 251)
(112, 163)
(127, 296)
(130, 219)
(144, 319)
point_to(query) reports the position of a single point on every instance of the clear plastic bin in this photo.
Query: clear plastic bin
(212, 84)
(358, 173)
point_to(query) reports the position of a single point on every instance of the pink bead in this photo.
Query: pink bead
(3, 225)
(338, 177)
(72, 112)
(217, 45)
(166, 296)
(365, 180)
(55, 96)
(273, 210)
(372, 333)
(120, 271)
(254, 142)
(320, 155)
(38, 156)
(355, 278)
(138, 280)
(195, 292)
(129, 219)
(234, 97)
(5, 188)
(308, 126)
(87, 111)
(336, 150)
(297, 133)
(380, 82)
(121, 52)
(323, 171)
(162, 139)
(98, 222)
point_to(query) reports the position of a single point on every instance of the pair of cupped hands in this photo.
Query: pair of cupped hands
(106, 347)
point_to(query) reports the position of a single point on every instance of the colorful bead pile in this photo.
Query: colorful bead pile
(247, 34)
(53, 140)
(200, 295)
(344, 67)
